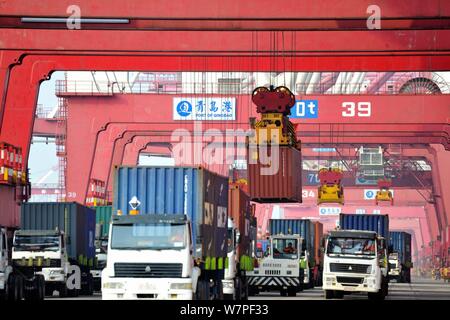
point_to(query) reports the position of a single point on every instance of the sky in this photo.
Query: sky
(43, 156)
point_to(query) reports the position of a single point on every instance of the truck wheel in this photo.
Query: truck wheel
(13, 288)
(73, 293)
(62, 290)
(283, 293)
(252, 292)
(202, 290)
(376, 295)
(227, 297)
(30, 290)
(244, 294)
(90, 285)
(329, 294)
(40, 287)
(292, 292)
(386, 288)
(338, 294)
(49, 288)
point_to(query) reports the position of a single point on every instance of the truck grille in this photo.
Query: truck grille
(348, 267)
(272, 272)
(352, 280)
(392, 266)
(55, 263)
(148, 270)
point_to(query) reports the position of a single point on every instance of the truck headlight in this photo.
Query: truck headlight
(56, 272)
(113, 285)
(330, 280)
(227, 284)
(181, 286)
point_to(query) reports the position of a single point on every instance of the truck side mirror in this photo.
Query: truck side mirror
(238, 237)
(390, 249)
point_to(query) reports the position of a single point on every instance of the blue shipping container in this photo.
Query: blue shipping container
(370, 222)
(303, 227)
(192, 191)
(77, 222)
(401, 243)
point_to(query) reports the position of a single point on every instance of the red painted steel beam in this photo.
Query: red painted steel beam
(232, 9)
(45, 128)
(246, 43)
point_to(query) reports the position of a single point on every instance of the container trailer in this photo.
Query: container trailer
(241, 239)
(356, 257)
(400, 260)
(54, 249)
(168, 234)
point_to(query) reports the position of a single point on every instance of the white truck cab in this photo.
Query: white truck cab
(150, 257)
(6, 271)
(395, 266)
(279, 269)
(45, 252)
(355, 261)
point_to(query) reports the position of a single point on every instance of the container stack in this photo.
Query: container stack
(96, 193)
(12, 171)
(274, 156)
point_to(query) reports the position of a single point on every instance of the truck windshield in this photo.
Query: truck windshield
(365, 247)
(284, 248)
(148, 236)
(36, 243)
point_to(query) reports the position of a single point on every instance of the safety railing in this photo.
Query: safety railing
(43, 112)
(75, 87)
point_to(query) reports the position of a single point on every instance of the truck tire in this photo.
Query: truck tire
(31, 290)
(90, 287)
(292, 292)
(201, 292)
(244, 294)
(13, 288)
(252, 291)
(49, 288)
(73, 293)
(378, 296)
(62, 290)
(329, 294)
(283, 292)
(386, 288)
(338, 294)
(40, 287)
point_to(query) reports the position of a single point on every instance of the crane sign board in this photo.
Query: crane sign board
(369, 194)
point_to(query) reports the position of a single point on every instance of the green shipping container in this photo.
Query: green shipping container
(102, 219)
